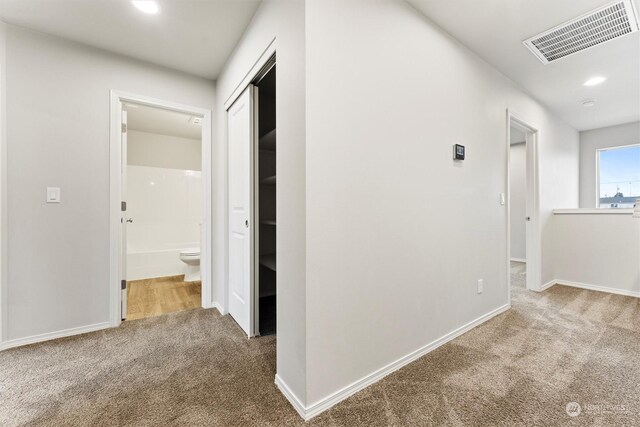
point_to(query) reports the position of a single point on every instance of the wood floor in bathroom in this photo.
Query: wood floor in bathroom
(153, 297)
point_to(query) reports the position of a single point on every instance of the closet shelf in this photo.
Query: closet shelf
(268, 141)
(268, 261)
(270, 180)
(268, 221)
(268, 293)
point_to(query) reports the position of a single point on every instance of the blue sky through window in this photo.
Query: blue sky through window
(620, 171)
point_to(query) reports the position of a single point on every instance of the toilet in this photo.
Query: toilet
(191, 257)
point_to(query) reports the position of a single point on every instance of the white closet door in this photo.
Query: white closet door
(240, 130)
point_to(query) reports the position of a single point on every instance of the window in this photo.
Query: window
(618, 176)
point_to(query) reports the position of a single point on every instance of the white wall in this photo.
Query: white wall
(284, 21)
(58, 135)
(517, 190)
(397, 232)
(163, 151)
(598, 250)
(590, 142)
(3, 181)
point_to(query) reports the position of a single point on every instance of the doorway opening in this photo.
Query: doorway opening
(523, 229)
(163, 191)
(160, 207)
(251, 130)
(266, 204)
(518, 206)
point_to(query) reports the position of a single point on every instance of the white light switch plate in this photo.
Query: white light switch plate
(480, 285)
(502, 199)
(53, 194)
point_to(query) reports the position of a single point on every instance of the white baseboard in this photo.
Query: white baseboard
(519, 260)
(598, 288)
(291, 397)
(53, 335)
(218, 307)
(335, 398)
(547, 285)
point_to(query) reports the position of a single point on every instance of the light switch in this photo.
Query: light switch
(502, 199)
(53, 194)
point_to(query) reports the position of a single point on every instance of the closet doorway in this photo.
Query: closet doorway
(251, 125)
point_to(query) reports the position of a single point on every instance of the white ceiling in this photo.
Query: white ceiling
(194, 36)
(495, 29)
(160, 121)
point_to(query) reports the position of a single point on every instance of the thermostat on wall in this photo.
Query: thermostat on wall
(458, 152)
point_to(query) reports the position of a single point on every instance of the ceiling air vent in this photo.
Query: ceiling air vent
(598, 26)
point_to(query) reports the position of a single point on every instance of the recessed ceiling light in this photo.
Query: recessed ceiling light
(589, 102)
(594, 81)
(150, 7)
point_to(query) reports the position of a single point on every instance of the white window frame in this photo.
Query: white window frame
(598, 150)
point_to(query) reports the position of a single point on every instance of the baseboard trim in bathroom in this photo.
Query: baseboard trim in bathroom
(152, 280)
(19, 342)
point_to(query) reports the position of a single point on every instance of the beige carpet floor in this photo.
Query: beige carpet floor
(195, 368)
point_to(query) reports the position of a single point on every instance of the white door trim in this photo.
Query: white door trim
(249, 77)
(252, 73)
(3, 213)
(533, 231)
(117, 98)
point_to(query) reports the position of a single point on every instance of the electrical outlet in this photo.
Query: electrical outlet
(480, 285)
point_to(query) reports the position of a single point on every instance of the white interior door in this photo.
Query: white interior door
(533, 232)
(240, 130)
(123, 220)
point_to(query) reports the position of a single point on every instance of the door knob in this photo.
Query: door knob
(528, 218)
(129, 220)
(246, 223)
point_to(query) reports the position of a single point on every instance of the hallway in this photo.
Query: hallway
(196, 368)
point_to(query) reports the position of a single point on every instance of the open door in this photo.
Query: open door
(241, 137)
(123, 220)
(533, 232)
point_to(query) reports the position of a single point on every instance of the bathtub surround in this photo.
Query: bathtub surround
(166, 207)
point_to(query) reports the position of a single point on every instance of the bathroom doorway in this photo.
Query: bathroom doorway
(523, 207)
(518, 206)
(163, 204)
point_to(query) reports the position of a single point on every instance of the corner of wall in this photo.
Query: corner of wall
(3, 180)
